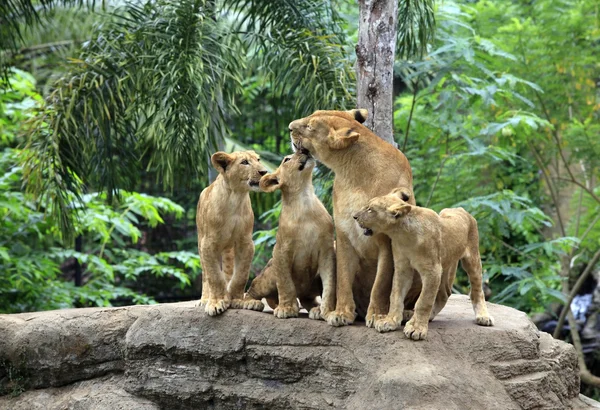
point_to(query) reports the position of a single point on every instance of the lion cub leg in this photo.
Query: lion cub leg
(286, 290)
(471, 263)
(403, 278)
(431, 276)
(244, 251)
(379, 301)
(327, 275)
(216, 301)
(262, 286)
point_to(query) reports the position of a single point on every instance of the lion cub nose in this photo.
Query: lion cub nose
(262, 173)
(355, 216)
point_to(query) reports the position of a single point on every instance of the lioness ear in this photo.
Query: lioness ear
(402, 193)
(221, 160)
(359, 115)
(269, 183)
(399, 210)
(342, 138)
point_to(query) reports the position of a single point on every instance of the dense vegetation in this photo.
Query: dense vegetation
(105, 152)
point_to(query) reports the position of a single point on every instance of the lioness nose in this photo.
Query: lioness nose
(293, 125)
(355, 216)
(262, 173)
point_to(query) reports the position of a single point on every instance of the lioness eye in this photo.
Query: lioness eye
(244, 162)
(286, 159)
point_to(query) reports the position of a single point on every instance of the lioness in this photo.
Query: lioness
(433, 245)
(225, 220)
(304, 244)
(365, 166)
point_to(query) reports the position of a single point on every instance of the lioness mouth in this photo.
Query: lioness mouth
(368, 232)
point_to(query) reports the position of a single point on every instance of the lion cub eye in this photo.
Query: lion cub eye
(244, 162)
(286, 159)
(369, 210)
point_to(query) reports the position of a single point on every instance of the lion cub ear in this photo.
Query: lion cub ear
(399, 210)
(359, 115)
(342, 138)
(269, 183)
(221, 160)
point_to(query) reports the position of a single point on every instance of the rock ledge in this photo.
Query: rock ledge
(174, 356)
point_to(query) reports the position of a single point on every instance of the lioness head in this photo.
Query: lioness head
(381, 212)
(324, 131)
(294, 172)
(242, 170)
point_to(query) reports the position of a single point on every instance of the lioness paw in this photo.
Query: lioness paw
(315, 313)
(216, 307)
(485, 320)
(284, 312)
(386, 324)
(253, 304)
(200, 303)
(340, 318)
(415, 332)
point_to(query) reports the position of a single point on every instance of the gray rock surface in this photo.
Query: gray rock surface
(173, 356)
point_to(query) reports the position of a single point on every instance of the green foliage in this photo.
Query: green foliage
(477, 121)
(33, 259)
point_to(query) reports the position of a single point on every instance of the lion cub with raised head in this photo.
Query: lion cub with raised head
(225, 220)
(304, 245)
(432, 245)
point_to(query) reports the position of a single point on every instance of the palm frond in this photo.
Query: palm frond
(416, 27)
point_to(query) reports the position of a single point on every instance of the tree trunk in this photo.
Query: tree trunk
(375, 53)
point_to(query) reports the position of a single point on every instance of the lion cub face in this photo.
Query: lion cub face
(383, 212)
(242, 170)
(324, 131)
(294, 173)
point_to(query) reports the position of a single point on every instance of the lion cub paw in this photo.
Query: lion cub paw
(386, 324)
(236, 304)
(284, 312)
(315, 313)
(372, 318)
(485, 320)
(200, 303)
(414, 331)
(341, 318)
(253, 304)
(216, 307)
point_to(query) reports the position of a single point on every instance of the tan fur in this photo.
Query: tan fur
(365, 166)
(225, 220)
(432, 245)
(304, 246)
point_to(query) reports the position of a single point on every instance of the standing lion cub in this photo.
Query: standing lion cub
(432, 245)
(225, 220)
(304, 246)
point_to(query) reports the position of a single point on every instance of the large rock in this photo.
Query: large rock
(173, 356)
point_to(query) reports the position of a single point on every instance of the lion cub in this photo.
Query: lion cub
(304, 245)
(225, 220)
(432, 245)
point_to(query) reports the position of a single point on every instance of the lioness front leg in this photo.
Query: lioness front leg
(216, 303)
(417, 327)
(403, 278)
(380, 293)
(244, 251)
(347, 264)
